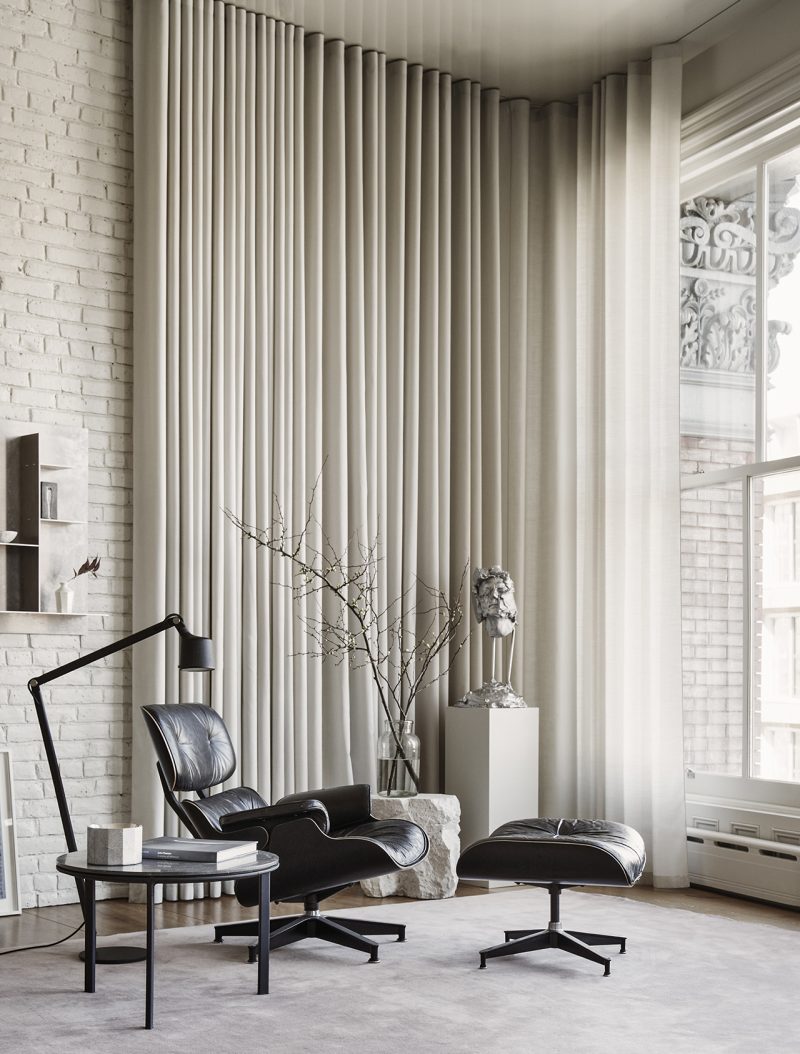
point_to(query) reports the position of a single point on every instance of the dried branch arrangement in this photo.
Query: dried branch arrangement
(399, 641)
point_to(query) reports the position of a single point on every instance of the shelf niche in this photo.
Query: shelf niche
(47, 547)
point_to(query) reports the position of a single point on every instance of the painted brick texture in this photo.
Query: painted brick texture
(712, 587)
(66, 186)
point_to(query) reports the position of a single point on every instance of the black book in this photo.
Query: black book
(204, 850)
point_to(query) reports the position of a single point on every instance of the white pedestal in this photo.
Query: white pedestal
(435, 877)
(492, 766)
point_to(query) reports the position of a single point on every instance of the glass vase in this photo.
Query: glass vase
(398, 760)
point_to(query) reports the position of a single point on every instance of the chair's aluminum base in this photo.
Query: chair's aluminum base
(349, 933)
(554, 936)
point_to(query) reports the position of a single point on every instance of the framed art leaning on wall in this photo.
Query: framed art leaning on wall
(9, 873)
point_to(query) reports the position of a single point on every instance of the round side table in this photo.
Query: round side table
(151, 873)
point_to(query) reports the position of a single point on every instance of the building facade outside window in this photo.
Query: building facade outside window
(740, 462)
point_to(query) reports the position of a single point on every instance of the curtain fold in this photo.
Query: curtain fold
(600, 535)
(460, 308)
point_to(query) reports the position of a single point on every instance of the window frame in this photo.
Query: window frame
(743, 786)
(736, 132)
(707, 166)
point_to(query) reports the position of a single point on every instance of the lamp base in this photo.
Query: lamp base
(118, 956)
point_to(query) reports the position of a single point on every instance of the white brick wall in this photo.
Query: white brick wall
(66, 182)
(712, 576)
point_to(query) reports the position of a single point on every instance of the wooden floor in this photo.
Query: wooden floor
(42, 925)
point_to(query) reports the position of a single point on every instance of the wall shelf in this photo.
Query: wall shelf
(43, 469)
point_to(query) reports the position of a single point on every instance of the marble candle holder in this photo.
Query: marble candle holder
(114, 844)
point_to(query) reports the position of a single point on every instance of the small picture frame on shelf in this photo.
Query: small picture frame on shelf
(49, 501)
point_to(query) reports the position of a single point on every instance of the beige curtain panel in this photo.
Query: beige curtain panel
(361, 264)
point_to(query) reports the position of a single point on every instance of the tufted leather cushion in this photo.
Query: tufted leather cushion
(405, 842)
(226, 803)
(192, 744)
(568, 852)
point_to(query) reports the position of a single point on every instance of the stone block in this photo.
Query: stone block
(434, 878)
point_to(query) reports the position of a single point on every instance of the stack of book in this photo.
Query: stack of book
(202, 850)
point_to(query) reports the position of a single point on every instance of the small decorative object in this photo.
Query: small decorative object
(114, 844)
(398, 760)
(7, 536)
(49, 494)
(494, 605)
(406, 643)
(65, 596)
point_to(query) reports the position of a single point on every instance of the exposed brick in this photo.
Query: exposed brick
(65, 284)
(712, 596)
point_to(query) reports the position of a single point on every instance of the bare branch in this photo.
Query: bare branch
(397, 642)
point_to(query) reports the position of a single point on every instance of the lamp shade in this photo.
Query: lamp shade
(196, 653)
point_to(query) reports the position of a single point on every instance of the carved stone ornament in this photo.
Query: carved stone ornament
(718, 296)
(719, 236)
(717, 338)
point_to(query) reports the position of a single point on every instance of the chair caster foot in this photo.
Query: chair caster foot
(622, 947)
(374, 957)
(607, 971)
(218, 940)
(483, 963)
(252, 954)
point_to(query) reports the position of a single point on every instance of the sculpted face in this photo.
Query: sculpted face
(493, 601)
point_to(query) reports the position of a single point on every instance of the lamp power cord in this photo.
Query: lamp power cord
(36, 947)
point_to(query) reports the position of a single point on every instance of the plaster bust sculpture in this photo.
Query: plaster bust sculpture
(496, 609)
(493, 600)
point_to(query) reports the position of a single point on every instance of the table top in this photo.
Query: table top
(168, 870)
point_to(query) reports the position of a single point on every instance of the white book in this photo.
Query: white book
(205, 850)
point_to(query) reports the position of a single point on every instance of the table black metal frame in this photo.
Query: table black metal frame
(152, 873)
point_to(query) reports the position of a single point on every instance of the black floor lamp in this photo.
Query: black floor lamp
(196, 654)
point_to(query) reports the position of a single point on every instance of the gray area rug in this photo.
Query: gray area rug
(688, 982)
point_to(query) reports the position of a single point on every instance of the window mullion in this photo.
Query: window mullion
(747, 624)
(760, 335)
(760, 370)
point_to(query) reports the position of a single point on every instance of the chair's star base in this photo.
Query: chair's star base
(554, 936)
(349, 933)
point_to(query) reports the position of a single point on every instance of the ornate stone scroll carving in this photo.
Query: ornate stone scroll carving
(718, 270)
(718, 237)
(714, 337)
(721, 237)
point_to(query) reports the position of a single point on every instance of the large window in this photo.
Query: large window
(740, 459)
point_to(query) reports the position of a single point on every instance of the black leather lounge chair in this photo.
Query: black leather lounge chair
(326, 839)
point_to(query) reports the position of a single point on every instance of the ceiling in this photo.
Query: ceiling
(540, 49)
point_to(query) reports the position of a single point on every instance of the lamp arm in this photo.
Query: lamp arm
(34, 687)
(110, 649)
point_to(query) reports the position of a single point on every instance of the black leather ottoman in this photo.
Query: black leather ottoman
(556, 854)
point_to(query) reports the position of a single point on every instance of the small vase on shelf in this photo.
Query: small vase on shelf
(398, 760)
(64, 598)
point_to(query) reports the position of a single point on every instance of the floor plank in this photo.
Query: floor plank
(42, 925)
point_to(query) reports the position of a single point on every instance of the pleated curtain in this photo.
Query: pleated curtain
(364, 273)
(591, 308)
